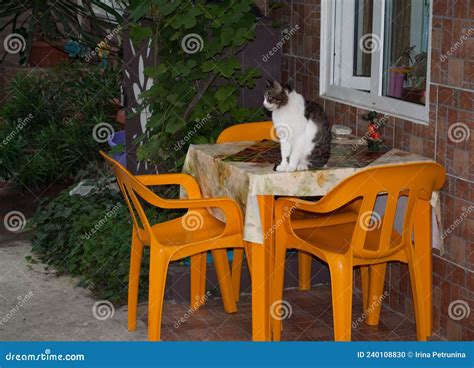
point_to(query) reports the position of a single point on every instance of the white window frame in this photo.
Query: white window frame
(337, 87)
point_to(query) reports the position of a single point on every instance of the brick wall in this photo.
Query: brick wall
(451, 101)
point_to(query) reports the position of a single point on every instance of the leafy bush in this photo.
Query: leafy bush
(46, 127)
(198, 77)
(90, 237)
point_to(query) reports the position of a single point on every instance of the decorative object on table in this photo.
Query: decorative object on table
(341, 131)
(373, 138)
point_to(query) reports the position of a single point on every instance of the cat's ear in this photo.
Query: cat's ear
(269, 83)
(277, 85)
(288, 87)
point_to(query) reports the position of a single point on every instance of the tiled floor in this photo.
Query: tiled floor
(310, 320)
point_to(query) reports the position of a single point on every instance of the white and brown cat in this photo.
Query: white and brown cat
(302, 127)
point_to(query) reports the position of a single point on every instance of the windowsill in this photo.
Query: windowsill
(390, 106)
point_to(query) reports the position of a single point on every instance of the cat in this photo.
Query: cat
(302, 128)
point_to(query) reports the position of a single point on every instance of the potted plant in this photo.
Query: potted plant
(376, 121)
(417, 80)
(398, 73)
(41, 42)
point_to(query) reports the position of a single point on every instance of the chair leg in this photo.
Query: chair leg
(198, 280)
(278, 286)
(374, 299)
(221, 263)
(157, 280)
(136, 252)
(416, 283)
(304, 270)
(364, 280)
(341, 292)
(237, 271)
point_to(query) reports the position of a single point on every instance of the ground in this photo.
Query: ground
(36, 304)
(51, 307)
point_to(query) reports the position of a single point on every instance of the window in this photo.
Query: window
(375, 55)
(118, 5)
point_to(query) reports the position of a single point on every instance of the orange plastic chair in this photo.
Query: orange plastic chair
(191, 235)
(367, 242)
(259, 131)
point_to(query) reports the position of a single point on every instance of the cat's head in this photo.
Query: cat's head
(276, 95)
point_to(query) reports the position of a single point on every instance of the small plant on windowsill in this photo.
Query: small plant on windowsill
(376, 121)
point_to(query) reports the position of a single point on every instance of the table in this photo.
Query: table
(245, 172)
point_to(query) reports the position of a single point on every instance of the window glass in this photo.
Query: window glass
(406, 50)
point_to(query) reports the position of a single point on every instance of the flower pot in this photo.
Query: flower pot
(44, 55)
(116, 139)
(395, 82)
(375, 145)
(414, 95)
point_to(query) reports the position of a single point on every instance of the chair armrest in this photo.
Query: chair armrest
(321, 206)
(232, 211)
(186, 181)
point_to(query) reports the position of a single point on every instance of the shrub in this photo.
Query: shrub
(46, 127)
(89, 237)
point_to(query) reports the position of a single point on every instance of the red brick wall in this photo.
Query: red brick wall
(451, 101)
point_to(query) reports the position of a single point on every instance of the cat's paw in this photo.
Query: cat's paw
(302, 167)
(282, 167)
(290, 168)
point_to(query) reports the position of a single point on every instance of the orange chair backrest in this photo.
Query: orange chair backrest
(247, 132)
(130, 188)
(413, 180)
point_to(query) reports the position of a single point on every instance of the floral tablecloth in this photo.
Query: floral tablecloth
(244, 170)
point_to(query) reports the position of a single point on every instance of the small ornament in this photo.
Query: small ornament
(373, 137)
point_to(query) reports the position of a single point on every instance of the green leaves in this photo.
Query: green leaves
(52, 116)
(139, 33)
(194, 81)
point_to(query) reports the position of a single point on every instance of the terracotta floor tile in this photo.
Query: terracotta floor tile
(311, 320)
